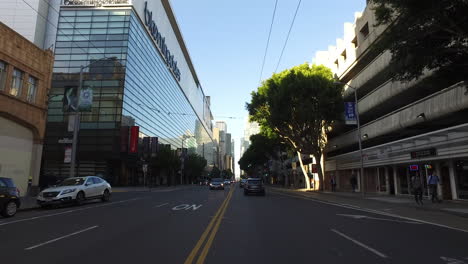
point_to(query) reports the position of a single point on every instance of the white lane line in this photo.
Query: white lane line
(160, 205)
(59, 238)
(66, 212)
(360, 244)
(370, 211)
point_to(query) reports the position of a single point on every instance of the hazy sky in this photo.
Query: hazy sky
(227, 38)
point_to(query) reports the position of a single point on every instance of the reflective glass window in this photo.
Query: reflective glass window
(32, 89)
(16, 83)
(3, 73)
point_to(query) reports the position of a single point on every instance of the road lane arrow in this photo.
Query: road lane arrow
(376, 218)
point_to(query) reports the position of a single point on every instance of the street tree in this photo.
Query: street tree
(215, 172)
(425, 35)
(194, 166)
(264, 146)
(167, 162)
(299, 105)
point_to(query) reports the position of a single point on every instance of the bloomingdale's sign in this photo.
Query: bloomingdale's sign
(161, 42)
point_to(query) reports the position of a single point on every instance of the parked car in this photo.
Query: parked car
(242, 183)
(77, 189)
(216, 183)
(9, 197)
(254, 185)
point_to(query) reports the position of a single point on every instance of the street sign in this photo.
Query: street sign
(65, 141)
(414, 167)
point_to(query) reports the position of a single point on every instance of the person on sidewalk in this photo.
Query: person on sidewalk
(432, 182)
(417, 188)
(353, 182)
(333, 183)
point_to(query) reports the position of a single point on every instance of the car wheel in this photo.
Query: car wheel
(80, 197)
(105, 196)
(245, 192)
(10, 209)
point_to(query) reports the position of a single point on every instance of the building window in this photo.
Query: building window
(32, 89)
(344, 55)
(365, 30)
(3, 68)
(17, 83)
(354, 42)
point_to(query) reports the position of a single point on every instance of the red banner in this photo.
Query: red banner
(134, 131)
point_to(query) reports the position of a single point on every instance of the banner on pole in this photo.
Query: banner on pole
(68, 154)
(350, 113)
(86, 100)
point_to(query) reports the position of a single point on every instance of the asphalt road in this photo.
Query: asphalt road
(196, 225)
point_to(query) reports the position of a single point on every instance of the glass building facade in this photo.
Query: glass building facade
(131, 85)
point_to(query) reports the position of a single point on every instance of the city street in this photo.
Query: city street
(192, 224)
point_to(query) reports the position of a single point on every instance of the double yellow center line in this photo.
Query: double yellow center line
(211, 230)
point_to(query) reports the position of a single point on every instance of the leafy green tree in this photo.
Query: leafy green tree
(300, 106)
(430, 34)
(264, 146)
(194, 167)
(166, 162)
(215, 172)
(228, 174)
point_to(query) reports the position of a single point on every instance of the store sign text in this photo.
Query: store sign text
(161, 42)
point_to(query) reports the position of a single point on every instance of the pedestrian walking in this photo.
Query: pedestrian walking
(333, 183)
(353, 182)
(432, 182)
(417, 188)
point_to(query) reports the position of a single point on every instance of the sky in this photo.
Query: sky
(227, 39)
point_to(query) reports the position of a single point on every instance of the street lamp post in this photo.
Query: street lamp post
(76, 124)
(359, 133)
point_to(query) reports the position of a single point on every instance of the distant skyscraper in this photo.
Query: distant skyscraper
(251, 128)
(221, 125)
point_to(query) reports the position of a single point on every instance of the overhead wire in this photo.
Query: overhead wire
(287, 38)
(268, 41)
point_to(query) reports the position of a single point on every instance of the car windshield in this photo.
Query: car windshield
(255, 182)
(216, 180)
(72, 182)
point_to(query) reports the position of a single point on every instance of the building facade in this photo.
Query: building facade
(25, 76)
(407, 128)
(145, 91)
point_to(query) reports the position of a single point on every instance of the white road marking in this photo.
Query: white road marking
(452, 260)
(186, 207)
(180, 207)
(160, 205)
(375, 218)
(195, 207)
(360, 244)
(59, 238)
(372, 211)
(66, 212)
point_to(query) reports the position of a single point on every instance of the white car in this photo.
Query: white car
(77, 189)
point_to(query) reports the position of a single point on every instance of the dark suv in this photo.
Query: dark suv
(254, 185)
(9, 197)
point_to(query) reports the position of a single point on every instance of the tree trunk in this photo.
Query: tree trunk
(306, 177)
(318, 160)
